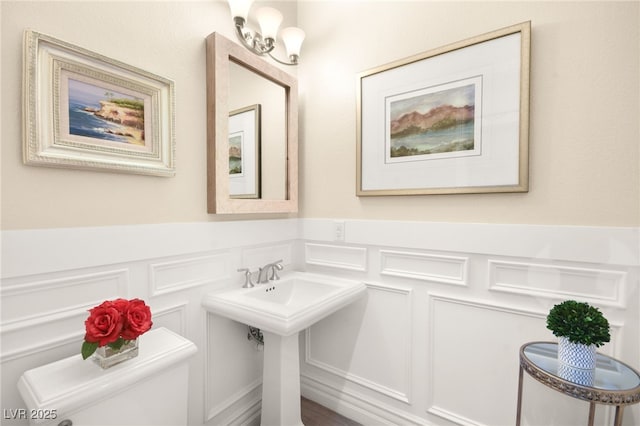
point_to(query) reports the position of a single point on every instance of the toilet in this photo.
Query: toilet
(151, 389)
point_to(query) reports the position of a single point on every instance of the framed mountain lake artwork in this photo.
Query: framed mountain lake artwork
(448, 121)
(244, 152)
(85, 111)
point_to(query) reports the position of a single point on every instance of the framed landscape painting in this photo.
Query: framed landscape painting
(244, 152)
(83, 110)
(451, 120)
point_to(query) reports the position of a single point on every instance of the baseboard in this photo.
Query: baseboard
(356, 406)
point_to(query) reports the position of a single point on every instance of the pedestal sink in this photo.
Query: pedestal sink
(281, 309)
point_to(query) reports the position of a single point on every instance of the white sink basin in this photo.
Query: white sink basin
(281, 309)
(285, 306)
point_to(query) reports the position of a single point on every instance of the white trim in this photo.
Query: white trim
(355, 405)
(597, 244)
(194, 271)
(398, 394)
(79, 290)
(240, 404)
(339, 257)
(95, 246)
(425, 267)
(598, 286)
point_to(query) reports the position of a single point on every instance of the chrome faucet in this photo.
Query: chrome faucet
(264, 272)
(247, 278)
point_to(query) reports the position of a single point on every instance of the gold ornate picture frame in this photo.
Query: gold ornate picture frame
(85, 111)
(451, 120)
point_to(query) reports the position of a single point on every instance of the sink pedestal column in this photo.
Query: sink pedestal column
(281, 381)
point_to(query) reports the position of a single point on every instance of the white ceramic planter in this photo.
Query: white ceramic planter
(576, 355)
(580, 376)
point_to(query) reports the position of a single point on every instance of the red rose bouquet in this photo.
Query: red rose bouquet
(114, 323)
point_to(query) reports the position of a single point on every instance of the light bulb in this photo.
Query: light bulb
(292, 38)
(269, 20)
(240, 8)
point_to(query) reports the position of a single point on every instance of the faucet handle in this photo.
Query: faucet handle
(275, 267)
(247, 278)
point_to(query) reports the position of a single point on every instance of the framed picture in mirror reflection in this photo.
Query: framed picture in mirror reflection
(244, 152)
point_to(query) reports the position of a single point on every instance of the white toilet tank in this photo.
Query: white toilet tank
(151, 389)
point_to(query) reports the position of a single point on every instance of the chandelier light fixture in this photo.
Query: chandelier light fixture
(264, 42)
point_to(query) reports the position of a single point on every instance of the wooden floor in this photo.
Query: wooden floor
(314, 414)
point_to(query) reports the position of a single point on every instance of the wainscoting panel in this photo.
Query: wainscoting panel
(171, 276)
(255, 257)
(23, 338)
(425, 267)
(234, 370)
(173, 317)
(50, 278)
(434, 342)
(599, 286)
(474, 357)
(337, 257)
(478, 293)
(369, 343)
(30, 298)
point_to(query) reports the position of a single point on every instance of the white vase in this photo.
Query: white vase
(576, 355)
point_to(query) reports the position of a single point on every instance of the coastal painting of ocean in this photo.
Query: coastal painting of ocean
(107, 115)
(85, 111)
(437, 122)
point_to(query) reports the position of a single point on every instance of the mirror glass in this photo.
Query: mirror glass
(257, 136)
(252, 125)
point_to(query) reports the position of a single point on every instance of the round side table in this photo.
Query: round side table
(614, 382)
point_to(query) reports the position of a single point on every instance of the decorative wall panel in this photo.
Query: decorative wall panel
(171, 276)
(473, 358)
(45, 299)
(600, 286)
(172, 317)
(368, 343)
(435, 341)
(23, 338)
(255, 257)
(338, 257)
(424, 267)
(29, 299)
(40, 313)
(233, 369)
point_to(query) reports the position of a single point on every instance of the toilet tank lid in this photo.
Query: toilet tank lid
(73, 382)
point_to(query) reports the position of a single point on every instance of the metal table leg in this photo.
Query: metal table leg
(618, 418)
(592, 413)
(519, 410)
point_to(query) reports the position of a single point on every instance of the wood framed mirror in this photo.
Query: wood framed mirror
(252, 122)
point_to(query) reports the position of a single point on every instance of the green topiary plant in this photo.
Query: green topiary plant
(579, 322)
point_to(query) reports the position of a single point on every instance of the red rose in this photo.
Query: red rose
(104, 324)
(121, 305)
(137, 319)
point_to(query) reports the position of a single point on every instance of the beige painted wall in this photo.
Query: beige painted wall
(584, 109)
(584, 125)
(165, 38)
